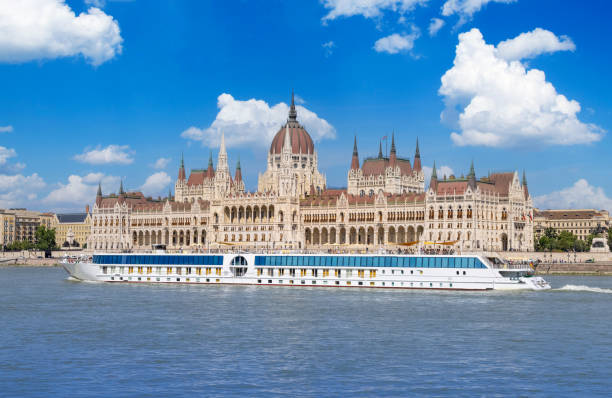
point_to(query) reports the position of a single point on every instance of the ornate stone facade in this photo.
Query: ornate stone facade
(385, 204)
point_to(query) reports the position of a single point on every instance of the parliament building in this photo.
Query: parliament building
(385, 205)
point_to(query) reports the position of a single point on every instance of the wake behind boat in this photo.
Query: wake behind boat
(448, 272)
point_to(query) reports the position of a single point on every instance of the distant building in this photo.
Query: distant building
(20, 224)
(72, 228)
(580, 222)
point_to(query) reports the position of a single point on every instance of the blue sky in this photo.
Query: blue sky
(109, 90)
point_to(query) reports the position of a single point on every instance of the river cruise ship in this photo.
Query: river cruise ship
(448, 272)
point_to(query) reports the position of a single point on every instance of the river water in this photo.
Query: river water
(61, 338)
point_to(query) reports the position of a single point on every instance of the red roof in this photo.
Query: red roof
(301, 142)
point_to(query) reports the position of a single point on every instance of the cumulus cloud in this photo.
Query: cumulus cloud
(119, 154)
(155, 184)
(498, 103)
(254, 122)
(467, 8)
(48, 29)
(328, 47)
(367, 8)
(161, 163)
(532, 44)
(96, 3)
(6, 154)
(435, 25)
(579, 196)
(19, 190)
(440, 171)
(80, 190)
(396, 43)
(6, 129)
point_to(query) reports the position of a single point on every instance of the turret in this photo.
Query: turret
(355, 159)
(380, 152)
(393, 153)
(99, 194)
(433, 182)
(417, 158)
(525, 189)
(238, 176)
(121, 191)
(472, 177)
(210, 171)
(181, 173)
(292, 112)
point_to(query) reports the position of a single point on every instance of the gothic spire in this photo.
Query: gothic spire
(238, 176)
(472, 172)
(524, 179)
(99, 189)
(355, 159)
(392, 154)
(181, 173)
(417, 157)
(210, 172)
(170, 193)
(292, 111)
(433, 182)
(121, 192)
(434, 174)
(472, 176)
(380, 153)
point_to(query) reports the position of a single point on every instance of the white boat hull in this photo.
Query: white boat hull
(359, 277)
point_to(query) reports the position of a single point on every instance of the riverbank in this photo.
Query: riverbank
(30, 262)
(586, 269)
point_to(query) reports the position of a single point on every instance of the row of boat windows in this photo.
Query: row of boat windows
(161, 270)
(175, 260)
(370, 261)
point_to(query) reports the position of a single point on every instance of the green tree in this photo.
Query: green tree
(45, 238)
(610, 238)
(550, 233)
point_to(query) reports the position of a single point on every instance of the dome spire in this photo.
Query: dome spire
(292, 111)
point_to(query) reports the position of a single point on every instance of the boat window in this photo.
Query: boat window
(394, 261)
(444, 262)
(419, 261)
(471, 262)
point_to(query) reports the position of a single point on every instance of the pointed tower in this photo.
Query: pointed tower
(292, 112)
(525, 189)
(238, 176)
(417, 157)
(393, 153)
(380, 153)
(433, 182)
(472, 177)
(99, 194)
(121, 191)
(181, 173)
(169, 194)
(355, 159)
(210, 171)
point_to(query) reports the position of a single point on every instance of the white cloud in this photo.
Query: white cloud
(80, 190)
(440, 172)
(328, 48)
(532, 44)
(581, 195)
(48, 29)
(435, 25)
(6, 129)
(155, 183)
(120, 154)
(96, 3)
(161, 163)
(467, 8)
(499, 103)
(367, 8)
(254, 122)
(6, 154)
(19, 190)
(396, 43)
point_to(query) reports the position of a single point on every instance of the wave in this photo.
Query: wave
(583, 288)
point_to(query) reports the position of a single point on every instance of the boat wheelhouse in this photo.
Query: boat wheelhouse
(456, 272)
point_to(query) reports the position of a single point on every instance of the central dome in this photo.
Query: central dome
(301, 143)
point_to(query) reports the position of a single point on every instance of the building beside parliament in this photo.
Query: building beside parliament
(385, 204)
